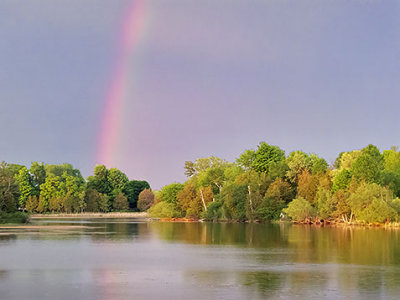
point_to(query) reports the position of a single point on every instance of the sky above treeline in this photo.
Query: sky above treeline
(203, 78)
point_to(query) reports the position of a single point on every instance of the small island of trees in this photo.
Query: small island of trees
(263, 184)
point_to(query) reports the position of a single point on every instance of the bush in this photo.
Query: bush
(299, 210)
(213, 212)
(164, 210)
(15, 217)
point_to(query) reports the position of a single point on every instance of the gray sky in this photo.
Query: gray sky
(209, 78)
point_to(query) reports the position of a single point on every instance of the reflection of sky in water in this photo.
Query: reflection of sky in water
(118, 259)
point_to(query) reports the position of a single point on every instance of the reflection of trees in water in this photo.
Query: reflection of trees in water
(268, 283)
(347, 245)
(239, 234)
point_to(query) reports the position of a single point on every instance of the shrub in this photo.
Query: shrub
(299, 210)
(146, 200)
(164, 210)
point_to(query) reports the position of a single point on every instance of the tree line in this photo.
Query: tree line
(265, 184)
(61, 188)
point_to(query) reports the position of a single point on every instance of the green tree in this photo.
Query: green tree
(267, 155)
(170, 192)
(371, 203)
(342, 180)
(132, 189)
(246, 159)
(25, 186)
(369, 165)
(300, 210)
(38, 176)
(120, 203)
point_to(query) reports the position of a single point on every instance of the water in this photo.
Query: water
(132, 259)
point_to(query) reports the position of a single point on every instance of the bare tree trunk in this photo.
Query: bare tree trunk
(251, 203)
(202, 199)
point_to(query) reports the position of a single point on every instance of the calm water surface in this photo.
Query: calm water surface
(132, 259)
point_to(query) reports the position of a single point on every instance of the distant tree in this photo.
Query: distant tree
(170, 192)
(371, 203)
(117, 179)
(25, 186)
(146, 200)
(369, 165)
(31, 204)
(104, 203)
(297, 162)
(132, 189)
(120, 203)
(9, 192)
(300, 210)
(38, 176)
(246, 159)
(267, 155)
(307, 186)
(342, 180)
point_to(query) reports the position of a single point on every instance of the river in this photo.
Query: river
(135, 259)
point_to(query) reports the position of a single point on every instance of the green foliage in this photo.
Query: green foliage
(214, 211)
(116, 179)
(120, 203)
(300, 210)
(297, 162)
(371, 203)
(38, 173)
(369, 165)
(342, 180)
(325, 203)
(26, 188)
(234, 198)
(164, 209)
(170, 192)
(132, 189)
(246, 159)
(265, 156)
(13, 217)
(9, 191)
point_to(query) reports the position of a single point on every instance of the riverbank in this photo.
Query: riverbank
(135, 215)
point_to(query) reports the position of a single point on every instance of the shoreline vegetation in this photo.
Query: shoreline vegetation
(361, 187)
(109, 215)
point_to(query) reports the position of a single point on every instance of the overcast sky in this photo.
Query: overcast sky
(209, 78)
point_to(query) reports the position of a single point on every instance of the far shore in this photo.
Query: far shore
(136, 215)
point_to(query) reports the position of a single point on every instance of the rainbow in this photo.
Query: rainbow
(112, 118)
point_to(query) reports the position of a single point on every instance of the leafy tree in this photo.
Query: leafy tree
(49, 189)
(234, 199)
(25, 186)
(326, 203)
(371, 203)
(38, 176)
(246, 159)
(342, 180)
(164, 209)
(132, 189)
(300, 210)
(307, 186)
(9, 192)
(92, 198)
(146, 199)
(117, 179)
(121, 203)
(369, 165)
(297, 162)
(265, 156)
(170, 192)
(99, 181)
(279, 193)
(31, 204)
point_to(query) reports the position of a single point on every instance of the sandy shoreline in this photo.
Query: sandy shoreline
(137, 215)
